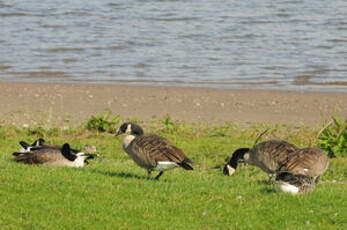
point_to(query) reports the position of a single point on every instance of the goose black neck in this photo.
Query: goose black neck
(237, 155)
(67, 153)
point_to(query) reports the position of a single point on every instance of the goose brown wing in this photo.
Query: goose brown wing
(277, 150)
(307, 161)
(157, 148)
(270, 155)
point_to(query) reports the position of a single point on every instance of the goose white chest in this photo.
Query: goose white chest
(127, 140)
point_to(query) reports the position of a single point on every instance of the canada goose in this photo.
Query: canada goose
(41, 143)
(150, 151)
(302, 170)
(63, 156)
(268, 156)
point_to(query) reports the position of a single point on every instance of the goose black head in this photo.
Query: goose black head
(129, 128)
(231, 165)
(68, 152)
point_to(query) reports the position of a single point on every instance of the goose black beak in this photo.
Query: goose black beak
(119, 132)
(92, 156)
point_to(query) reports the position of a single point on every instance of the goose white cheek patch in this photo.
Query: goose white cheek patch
(231, 170)
(127, 140)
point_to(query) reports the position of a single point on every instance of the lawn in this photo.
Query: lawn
(113, 193)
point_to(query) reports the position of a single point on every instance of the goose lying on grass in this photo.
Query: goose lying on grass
(53, 155)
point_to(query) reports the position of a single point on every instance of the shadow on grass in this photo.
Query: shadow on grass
(268, 190)
(266, 182)
(269, 186)
(121, 175)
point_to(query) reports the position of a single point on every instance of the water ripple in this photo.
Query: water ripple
(289, 44)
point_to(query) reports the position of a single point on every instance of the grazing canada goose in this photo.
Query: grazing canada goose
(302, 170)
(151, 151)
(268, 155)
(64, 156)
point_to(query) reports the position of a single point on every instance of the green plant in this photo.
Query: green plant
(104, 122)
(170, 126)
(36, 131)
(333, 137)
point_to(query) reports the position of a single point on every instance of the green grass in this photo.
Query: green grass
(113, 193)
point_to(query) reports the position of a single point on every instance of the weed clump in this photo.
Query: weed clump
(333, 138)
(105, 122)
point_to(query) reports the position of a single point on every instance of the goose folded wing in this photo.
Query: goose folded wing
(160, 149)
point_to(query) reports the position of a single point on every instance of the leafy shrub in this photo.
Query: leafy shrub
(104, 122)
(333, 138)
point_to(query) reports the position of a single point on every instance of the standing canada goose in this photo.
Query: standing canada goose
(150, 151)
(302, 170)
(63, 156)
(268, 156)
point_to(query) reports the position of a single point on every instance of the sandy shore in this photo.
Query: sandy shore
(51, 104)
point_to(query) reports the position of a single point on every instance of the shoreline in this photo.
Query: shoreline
(68, 104)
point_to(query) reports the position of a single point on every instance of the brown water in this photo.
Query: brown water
(268, 44)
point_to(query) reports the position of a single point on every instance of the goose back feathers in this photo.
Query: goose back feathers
(309, 161)
(149, 149)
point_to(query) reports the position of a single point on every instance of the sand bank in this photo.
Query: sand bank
(52, 104)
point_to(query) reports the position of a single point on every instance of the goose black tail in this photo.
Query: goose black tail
(16, 153)
(24, 144)
(185, 165)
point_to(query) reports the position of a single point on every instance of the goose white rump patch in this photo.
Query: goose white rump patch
(285, 187)
(165, 165)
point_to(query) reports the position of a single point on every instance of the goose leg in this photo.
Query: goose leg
(317, 179)
(272, 178)
(159, 175)
(149, 173)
